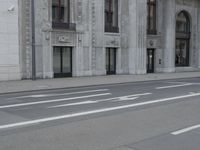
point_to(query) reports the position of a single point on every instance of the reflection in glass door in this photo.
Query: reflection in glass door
(182, 52)
(150, 60)
(182, 39)
(111, 61)
(62, 62)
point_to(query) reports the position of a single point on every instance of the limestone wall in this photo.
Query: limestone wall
(9, 40)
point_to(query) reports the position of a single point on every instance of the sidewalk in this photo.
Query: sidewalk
(29, 85)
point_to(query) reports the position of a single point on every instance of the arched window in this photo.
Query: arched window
(151, 16)
(182, 39)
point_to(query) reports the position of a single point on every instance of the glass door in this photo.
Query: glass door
(62, 62)
(111, 61)
(150, 60)
(182, 52)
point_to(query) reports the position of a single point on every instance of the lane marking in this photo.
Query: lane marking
(185, 130)
(14, 125)
(73, 104)
(63, 94)
(174, 86)
(123, 97)
(114, 99)
(51, 101)
(177, 82)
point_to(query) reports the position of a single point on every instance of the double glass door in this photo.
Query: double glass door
(150, 60)
(62, 62)
(111, 61)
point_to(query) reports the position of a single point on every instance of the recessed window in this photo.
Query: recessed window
(182, 39)
(151, 17)
(61, 15)
(111, 16)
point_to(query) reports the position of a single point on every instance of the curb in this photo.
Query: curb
(96, 84)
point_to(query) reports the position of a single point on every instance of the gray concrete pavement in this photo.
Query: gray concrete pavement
(29, 85)
(129, 116)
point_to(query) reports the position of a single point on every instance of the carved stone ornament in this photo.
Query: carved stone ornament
(46, 27)
(113, 42)
(63, 39)
(151, 43)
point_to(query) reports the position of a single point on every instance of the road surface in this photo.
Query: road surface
(154, 115)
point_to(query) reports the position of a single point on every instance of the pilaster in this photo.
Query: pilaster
(169, 26)
(198, 33)
(137, 36)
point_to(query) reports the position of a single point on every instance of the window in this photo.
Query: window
(182, 23)
(111, 16)
(61, 14)
(182, 39)
(151, 17)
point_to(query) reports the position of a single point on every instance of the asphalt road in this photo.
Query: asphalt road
(155, 115)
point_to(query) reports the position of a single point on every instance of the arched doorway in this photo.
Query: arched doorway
(182, 39)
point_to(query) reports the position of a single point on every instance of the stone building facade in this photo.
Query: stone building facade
(103, 37)
(9, 41)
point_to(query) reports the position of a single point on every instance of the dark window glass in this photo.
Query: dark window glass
(62, 61)
(182, 39)
(111, 60)
(61, 10)
(111, 16)
(61, 15)
(182, 23)
(151, 17)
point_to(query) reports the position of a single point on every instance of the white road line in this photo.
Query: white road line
(185, 130)
(115, 99)
(177, 82)
(51, 95)
(123, 97)
(73, 104)
(174, 86)
(26, 123)
(51, 101)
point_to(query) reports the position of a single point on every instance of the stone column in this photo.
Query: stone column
(169, 35)
(137, 36)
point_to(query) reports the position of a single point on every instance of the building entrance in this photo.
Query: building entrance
(62, 62)
(150, 60)
(111, 61)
